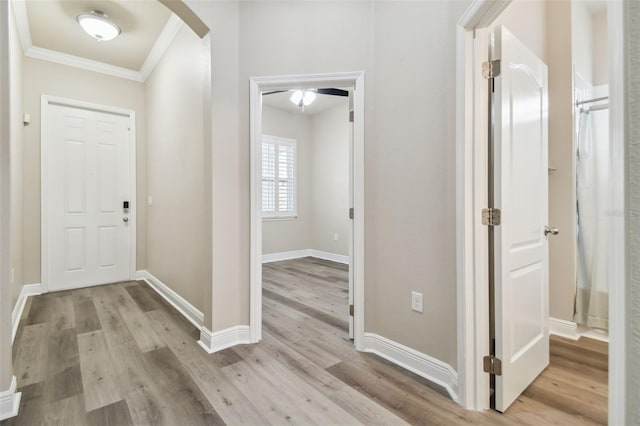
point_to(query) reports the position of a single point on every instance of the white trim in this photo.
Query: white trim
(257, 85)
(187, 310)
(471, 178)
(298, 254)
(285, 255)
(619, 399)
(18, 308)
(22, 23)
(10, 401)
(421, 364)
(45, 180)
(168, 34)
(83, 63)
(563, 328)
(571, 330)
(223, 339)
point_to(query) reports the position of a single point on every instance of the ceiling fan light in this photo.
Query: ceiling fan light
(296, 97)
(98, 25)
(308, 97)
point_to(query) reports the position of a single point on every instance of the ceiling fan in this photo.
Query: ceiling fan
(304, 97)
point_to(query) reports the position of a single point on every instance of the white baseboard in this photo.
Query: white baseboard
(223, 339)
(27, 290)
(285, 255)
(185, 308)
(571, 330)
(339, 258)
(423, 365)
(10, 401)
(563, 328)
(288, 255)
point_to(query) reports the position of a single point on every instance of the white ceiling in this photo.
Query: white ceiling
(322, 103)
(53, 26)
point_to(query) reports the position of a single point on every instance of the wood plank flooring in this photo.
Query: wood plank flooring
(120, 355)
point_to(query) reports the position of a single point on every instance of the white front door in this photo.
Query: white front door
(88, 166)
(521, 193)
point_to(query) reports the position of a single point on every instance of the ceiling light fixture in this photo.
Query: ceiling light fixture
(303, 98)
(98, 25)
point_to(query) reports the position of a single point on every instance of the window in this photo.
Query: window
(278, 177)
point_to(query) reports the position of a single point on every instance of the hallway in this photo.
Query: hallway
(118, 354)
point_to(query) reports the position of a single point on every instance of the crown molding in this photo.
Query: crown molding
(83, 63)
(168, 33)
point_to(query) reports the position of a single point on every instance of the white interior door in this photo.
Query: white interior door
(89, 235)
(521, 193)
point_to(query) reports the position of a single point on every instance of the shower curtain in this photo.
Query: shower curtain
(593, 201)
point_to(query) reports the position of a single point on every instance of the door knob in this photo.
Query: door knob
(552, 231)
(125, 219)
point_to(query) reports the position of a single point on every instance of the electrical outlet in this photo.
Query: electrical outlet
(416, 301)
(335, 237)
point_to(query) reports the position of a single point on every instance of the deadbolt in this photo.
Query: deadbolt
(552, 231)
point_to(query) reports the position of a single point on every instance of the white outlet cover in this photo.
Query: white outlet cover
(417, 301)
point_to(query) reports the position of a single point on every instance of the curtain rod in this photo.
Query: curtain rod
(588, 101)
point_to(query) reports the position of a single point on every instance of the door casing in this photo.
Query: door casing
(45, 154)
(257, 86)
(471, 197)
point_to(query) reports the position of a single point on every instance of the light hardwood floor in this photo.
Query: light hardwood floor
(118, 355)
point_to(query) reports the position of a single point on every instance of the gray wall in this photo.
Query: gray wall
(48, 78)
(175, 168)
(16, 129)
(330, 180)
(281, 235)
(323, 181)
(409, 152)
(6, 368)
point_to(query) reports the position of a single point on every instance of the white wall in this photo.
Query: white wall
(330, 180)
(282, 235)
(600, 48)
(47, 78)
(174, 102)
(16, 95)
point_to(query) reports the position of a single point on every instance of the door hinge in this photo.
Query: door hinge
(491, 217)
(492, 365)
(350, 310)
(351, 116)
(491, 69)
(351, 213)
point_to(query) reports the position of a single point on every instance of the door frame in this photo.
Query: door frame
(45, 171)
(471, 195)
(262, 84)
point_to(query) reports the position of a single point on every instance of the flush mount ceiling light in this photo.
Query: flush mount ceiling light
(98, 25)
(303, 98)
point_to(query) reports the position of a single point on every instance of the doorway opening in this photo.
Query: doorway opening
(307, 199)
(563, 53)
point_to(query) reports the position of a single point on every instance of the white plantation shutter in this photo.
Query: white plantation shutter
(278, 177)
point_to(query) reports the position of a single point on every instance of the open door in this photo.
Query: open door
(520, 193)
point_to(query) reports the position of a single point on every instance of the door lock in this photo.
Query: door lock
(125, 219)
(548, 230)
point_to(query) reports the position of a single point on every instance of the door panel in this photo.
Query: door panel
(89, 180)
(521, 193)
